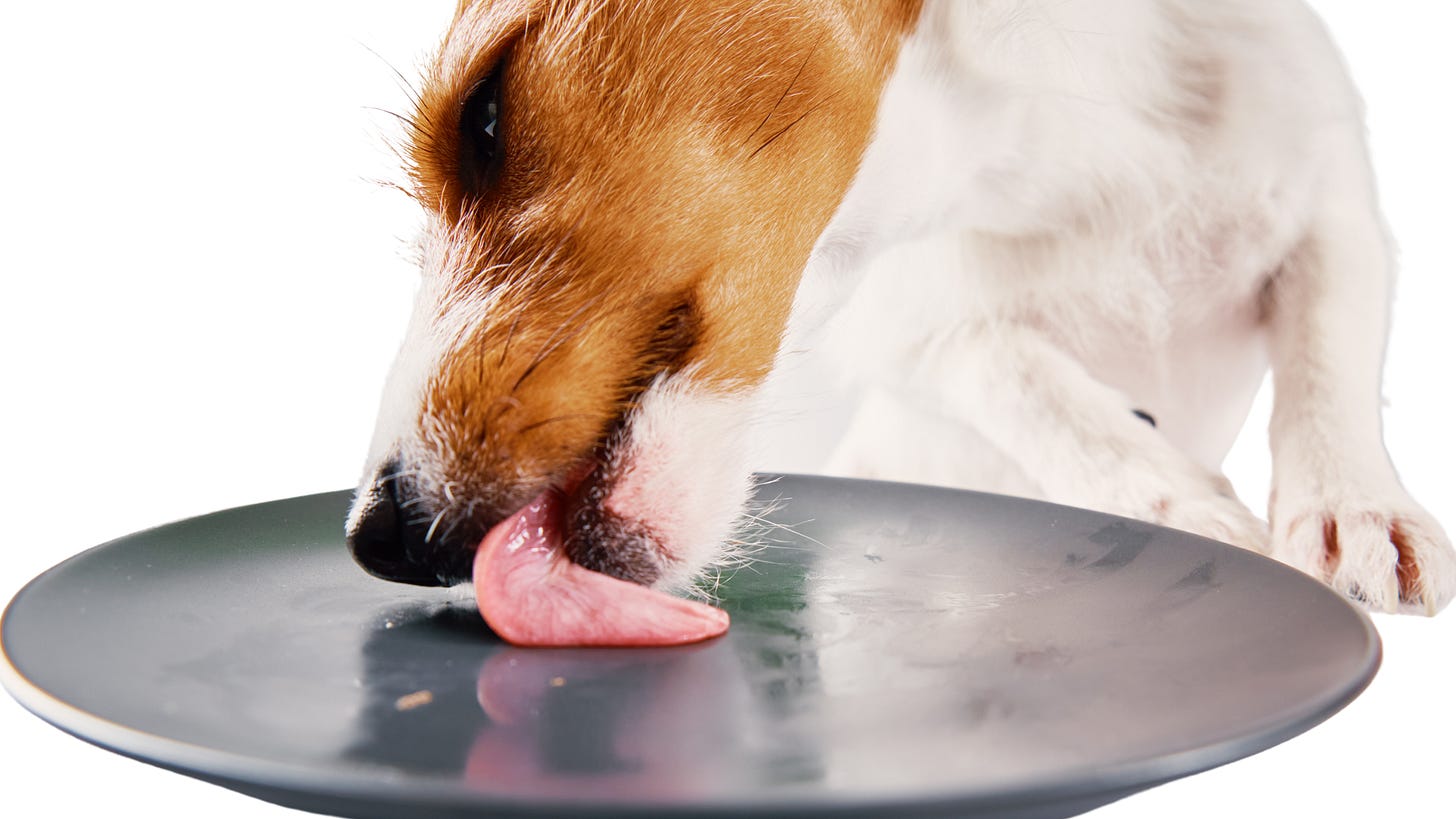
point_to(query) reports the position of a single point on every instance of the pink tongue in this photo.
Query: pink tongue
(531, 594)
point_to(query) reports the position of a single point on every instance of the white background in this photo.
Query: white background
(202, 288)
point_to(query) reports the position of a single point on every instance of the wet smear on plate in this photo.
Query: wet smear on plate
(1201, 577)
(1126, 542)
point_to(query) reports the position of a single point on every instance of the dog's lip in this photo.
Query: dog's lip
(577, 475)
(601, 539)
(532, 594)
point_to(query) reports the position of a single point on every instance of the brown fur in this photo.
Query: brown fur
(666, 170)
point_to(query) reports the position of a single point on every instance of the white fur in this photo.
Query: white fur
(430, 334)
(674, 441)
(1071, 210)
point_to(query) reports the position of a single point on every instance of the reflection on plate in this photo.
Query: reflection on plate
(895, 649)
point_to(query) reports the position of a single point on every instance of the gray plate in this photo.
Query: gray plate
(899, 650)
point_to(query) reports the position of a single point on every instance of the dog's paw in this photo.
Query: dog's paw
(1217, 514)
(1390, 556)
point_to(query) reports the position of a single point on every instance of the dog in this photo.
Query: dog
(1056, 246)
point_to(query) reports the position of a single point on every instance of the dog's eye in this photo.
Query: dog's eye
(480, 126)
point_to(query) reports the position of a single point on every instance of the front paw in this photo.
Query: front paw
(1218, 514)
(1389, 556)
(1191, 500)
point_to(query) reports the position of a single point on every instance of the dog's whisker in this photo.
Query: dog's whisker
(503, 405)
(784, 130)
(395, 115)
(510, 336)
(791, 528)
(575, 416)
(556, 341)
(780, 545)
(404, 82)
(430, 534)
(790, 87)
(400, 474)
(450, 530)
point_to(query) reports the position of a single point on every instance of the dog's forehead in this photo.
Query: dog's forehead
(483, 30)
(478, 36)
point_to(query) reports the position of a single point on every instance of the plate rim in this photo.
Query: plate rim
(296, 784)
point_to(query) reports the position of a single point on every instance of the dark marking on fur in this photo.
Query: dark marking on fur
(1201, 91)
(1407, 570)
(674, 337)
(1198, 91)
(602, 541)
(1332, 543)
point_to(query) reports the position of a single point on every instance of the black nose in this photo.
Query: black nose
(391, 537)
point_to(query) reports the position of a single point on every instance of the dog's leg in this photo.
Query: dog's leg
(1337, 509)
(1074, 436)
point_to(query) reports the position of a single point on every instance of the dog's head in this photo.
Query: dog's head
(620, 197)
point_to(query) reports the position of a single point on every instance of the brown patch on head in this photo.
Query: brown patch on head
(618, 191)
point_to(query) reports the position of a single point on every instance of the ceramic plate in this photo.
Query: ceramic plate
(895, 650)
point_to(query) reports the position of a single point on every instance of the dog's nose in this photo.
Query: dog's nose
(385, 539)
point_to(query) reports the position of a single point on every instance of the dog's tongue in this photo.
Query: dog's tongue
(532, 594)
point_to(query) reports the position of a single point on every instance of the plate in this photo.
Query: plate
(896, 650)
